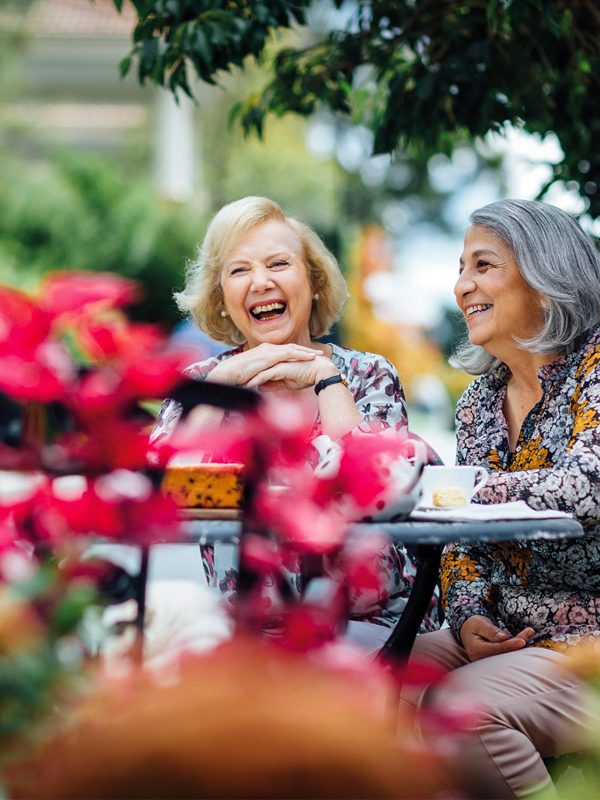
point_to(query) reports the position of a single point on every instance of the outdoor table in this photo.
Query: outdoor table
(425, 539)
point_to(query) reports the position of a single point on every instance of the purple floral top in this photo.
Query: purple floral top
(375, 387)
(552, 586)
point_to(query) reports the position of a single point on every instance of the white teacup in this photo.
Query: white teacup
(437, 481)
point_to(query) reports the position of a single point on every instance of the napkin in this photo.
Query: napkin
(495, 511)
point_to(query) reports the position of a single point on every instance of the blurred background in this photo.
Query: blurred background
(100, 173)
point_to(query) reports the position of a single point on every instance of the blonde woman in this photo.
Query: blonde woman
(266, 284)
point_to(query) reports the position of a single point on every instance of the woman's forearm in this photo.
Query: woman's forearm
(338, 411)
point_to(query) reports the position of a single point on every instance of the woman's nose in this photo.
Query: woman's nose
(464, 285)
(261, 279)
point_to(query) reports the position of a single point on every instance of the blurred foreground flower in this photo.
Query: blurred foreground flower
(245, 721)
(73, 372)
(41, 660)
(84, 371)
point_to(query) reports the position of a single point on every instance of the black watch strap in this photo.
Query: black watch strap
(339, 378)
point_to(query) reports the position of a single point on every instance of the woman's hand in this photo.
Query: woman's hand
(294, 375)
(481, 638)
(243, 367)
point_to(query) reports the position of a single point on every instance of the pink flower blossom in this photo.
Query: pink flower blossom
(23, 325)
(64, 292)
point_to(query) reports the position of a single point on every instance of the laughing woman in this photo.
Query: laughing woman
(529, 290)
(267, 284)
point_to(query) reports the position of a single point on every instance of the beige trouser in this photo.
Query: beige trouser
(532, 709)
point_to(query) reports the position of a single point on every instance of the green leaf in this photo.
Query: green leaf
(38, 584)
(125, 66)
(71, 608)
(148, 58)
(202, 46)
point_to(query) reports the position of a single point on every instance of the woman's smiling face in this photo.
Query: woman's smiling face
(498, 305)
(266, 289)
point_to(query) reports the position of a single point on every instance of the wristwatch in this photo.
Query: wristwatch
(339, 378)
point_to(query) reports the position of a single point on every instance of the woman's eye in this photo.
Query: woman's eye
(483, 264)
(277, 264)
(238, 270)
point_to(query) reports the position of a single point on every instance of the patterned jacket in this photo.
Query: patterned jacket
(552, 586)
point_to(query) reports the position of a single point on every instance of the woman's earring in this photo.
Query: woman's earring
(223, 313)
(316, 296)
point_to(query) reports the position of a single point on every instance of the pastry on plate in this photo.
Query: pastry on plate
(449, 497)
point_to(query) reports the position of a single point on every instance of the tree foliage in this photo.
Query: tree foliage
(83, 213)
(416, 72)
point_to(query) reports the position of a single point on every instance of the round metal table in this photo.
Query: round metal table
(426, 540)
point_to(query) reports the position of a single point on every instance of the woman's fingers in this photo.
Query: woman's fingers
(265, 376)
(293, 375)
(482, 639)
(525, 634)
(241, 368)
(478, 647)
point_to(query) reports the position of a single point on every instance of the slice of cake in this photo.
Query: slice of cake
(208, 485)
(449, 497)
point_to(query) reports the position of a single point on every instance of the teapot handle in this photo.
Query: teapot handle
(418, 456)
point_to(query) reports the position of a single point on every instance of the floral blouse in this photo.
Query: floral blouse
(551, 586)
(375, 387)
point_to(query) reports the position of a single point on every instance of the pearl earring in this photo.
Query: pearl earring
(223, 313)
(316, 296)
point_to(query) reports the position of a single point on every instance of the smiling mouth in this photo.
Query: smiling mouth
(473, 311)
(268, 311)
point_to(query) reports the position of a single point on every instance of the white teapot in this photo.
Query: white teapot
(401, 473)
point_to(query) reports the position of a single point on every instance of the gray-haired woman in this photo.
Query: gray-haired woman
(529, 289)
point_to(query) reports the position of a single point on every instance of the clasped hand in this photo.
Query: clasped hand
(481, 638)
(272, 367)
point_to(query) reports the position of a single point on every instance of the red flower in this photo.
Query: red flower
(23, 325)
(261, 555)
(301, 523)
(362, 563)
(152, 376)
(109, 335)
(229, 444)
(306, 627)
(421, 673)
(26, 380)
(121, 505)
(63, 292)
(23, 458)
(362, 473)
(97, 395)
(284, 428)
(110, 444)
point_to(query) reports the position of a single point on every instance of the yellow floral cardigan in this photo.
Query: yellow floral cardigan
(552, 586)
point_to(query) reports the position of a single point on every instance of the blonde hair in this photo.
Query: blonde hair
(202, 297)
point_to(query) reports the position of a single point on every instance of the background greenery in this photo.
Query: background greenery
(417, 74)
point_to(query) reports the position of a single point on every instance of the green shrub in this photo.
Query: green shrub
(81, 212)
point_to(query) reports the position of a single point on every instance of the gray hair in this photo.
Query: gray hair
(202, 296)
(558, 260)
